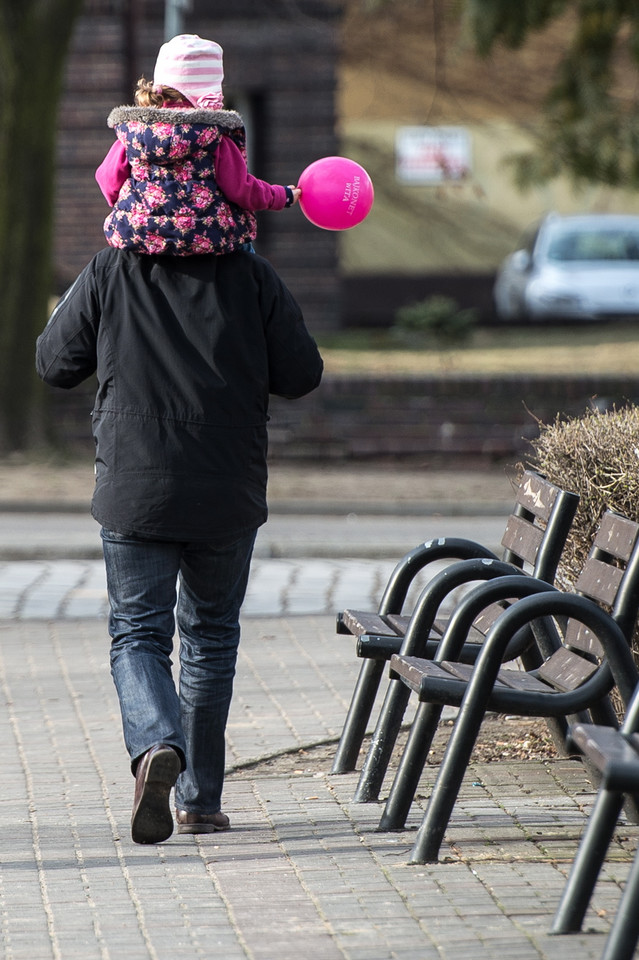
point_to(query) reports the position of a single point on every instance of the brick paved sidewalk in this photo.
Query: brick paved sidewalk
(303, 871)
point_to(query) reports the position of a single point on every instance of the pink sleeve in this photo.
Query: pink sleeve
(237, 184)
(113, 172)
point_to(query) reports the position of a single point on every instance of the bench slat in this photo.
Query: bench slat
(412, 669)
(565, 670)
(461, 671)
(616, 535)
(579, 637)
(537, 495)
(507, 677)
(599, 580)
(358, 624)
(613, 754)
(521, 680)
(398, 621)
(522, 538)
(476, 633)
(489, 614)
(361, 621)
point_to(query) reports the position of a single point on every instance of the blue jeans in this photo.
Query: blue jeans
(142, 581)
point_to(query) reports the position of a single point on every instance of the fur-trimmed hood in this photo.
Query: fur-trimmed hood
(229, 119)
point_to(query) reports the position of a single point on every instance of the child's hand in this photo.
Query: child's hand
(297, 193)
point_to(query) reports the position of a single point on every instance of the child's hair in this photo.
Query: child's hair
(148, 94)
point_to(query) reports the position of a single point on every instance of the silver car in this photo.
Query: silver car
(572, 268)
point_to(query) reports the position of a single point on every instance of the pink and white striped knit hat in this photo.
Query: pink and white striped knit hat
(194, 67)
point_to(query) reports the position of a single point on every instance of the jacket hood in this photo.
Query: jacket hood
(229, 119)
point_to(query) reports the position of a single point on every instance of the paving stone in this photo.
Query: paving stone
(304, 870)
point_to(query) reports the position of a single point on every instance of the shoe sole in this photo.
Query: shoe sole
(201, 828)
(152, 821)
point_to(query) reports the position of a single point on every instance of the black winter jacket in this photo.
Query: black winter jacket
(187, 350)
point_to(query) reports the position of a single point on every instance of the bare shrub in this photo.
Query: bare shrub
(596, 456)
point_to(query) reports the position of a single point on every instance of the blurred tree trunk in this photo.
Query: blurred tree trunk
(34, 40)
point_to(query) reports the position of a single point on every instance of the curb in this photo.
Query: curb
(397, 508)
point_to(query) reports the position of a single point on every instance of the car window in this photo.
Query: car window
(567, 245)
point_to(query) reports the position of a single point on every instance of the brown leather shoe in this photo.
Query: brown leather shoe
(157, 771)
(201, 822)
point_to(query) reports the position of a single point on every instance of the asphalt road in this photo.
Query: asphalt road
(75, 535)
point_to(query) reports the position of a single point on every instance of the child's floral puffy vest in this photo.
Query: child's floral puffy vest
(171, 203)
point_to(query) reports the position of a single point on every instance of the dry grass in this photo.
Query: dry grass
(597, 456)
(597, 349)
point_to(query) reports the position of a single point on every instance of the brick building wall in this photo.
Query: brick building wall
(280, 72)
(426, 419)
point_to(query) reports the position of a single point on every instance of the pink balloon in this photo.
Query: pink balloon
(337, 193)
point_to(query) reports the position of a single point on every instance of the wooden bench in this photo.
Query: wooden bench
(533, 540)
(615, 754)
(582, 661)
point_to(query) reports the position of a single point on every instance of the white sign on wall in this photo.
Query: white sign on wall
(432, 154)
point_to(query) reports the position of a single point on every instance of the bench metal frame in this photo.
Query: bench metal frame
(535, 535)
(615, 753)
(580, 668)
